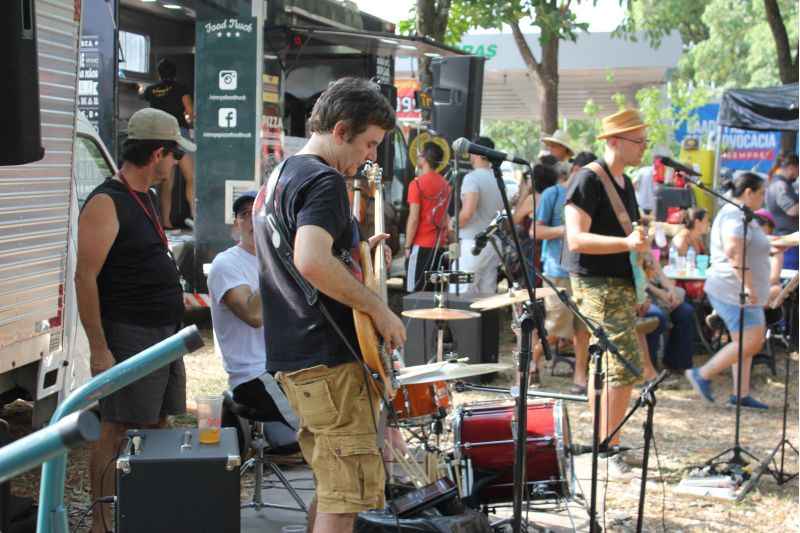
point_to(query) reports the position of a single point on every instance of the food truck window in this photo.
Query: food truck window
(134, 52)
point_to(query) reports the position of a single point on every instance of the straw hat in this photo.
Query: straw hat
(622, 122)
(559, 137)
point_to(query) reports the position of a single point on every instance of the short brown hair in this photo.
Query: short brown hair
(357, 102)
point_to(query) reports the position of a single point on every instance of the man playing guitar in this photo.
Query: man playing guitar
(307, 342)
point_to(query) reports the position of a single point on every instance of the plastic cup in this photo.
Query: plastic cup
(702, 264)
(656, 253)
(209, 418)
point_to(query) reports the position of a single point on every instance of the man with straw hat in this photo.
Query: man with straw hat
(600, 265)
(558, 144)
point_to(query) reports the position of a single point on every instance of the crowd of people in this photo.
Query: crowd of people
(282, 305)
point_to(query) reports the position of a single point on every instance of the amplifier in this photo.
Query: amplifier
(476, 338)
(168, 482)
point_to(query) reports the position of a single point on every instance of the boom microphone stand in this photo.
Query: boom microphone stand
(737, 451)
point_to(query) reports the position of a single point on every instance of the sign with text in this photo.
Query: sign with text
(226, 129)
(741, 149)
(97, 67)
(406, 99)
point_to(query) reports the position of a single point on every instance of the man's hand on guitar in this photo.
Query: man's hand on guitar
(387, 251)
(390, 327)
(637, 241)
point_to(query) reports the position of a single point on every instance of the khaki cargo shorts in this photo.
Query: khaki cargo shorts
(559, 320)
(611, 302)
(337, 435)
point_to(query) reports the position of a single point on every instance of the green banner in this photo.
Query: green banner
(226, 127)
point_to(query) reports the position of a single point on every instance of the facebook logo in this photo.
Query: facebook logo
(227, 117)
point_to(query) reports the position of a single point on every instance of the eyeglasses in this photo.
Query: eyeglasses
(634, 141)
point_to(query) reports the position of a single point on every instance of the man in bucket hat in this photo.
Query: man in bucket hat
(558, 144)
(600, 267)
(128, 290)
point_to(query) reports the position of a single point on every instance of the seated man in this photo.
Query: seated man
(238, 327)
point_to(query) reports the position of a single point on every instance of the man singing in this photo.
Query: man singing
(326, 386)
(600, 262)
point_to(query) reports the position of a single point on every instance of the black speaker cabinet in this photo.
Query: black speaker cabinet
(20, 129)
(386, 148)
(477, 338)
(457, 95)
(172, 483)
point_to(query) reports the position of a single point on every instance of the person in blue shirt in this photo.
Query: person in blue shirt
(559, 321)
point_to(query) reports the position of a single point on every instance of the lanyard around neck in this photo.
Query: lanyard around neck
(149, 212)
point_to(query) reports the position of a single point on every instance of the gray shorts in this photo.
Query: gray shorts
(156, 395)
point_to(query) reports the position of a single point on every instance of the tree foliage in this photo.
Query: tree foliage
(520, 137)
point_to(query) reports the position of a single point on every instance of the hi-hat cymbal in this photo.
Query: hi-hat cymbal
(509, 298)
(440, 313)
(445, 371)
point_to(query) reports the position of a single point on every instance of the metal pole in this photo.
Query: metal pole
(52, 515)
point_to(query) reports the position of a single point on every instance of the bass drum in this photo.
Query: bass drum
(484, 442)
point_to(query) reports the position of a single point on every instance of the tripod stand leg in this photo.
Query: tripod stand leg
(648, 434)
(597, 377)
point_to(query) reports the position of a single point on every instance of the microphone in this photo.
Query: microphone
(462, 147)
(680, 167)
(483, 237)
(580, 449)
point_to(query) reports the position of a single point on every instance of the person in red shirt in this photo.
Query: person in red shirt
(426, 227)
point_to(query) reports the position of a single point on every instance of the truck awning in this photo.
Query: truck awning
(289, 41)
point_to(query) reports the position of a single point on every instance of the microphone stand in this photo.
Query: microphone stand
(527, 322)
(647, 397)
(737, 460)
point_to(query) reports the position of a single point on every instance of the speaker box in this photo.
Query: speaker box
(476, 338)
(457, 94)
(386, 148)
(20, 131)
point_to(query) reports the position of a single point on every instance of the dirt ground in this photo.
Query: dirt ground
(687, 431)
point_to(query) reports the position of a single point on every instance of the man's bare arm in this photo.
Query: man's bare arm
(245, 304)
(579, 239)
(469, 204)
(97, 228)
(546, 233)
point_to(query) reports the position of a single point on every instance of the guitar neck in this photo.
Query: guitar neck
(380, 263)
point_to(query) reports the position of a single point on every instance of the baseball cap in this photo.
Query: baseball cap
(243, 200)
(151, 124)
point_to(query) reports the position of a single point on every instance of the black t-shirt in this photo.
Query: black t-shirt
(168, 96)
(587, 192)
(297, 335)
(139, 282)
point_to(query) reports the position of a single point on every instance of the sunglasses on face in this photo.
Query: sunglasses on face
(176, 152)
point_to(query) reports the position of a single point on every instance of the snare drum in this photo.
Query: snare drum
(484, 441)
(421, 403)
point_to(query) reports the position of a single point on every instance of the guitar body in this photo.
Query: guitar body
(373, 271)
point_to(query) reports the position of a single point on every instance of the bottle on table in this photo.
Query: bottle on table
(691, 259)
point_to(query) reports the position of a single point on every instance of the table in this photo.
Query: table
(688, 275)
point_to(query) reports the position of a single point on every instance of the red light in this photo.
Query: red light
(297, 41)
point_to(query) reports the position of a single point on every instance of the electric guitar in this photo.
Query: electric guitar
(373, 270)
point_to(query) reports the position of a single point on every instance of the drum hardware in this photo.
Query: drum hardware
(513, 296)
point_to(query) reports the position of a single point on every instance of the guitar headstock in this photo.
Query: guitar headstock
(373, 172)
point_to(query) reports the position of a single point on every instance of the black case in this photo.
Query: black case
(163, 488)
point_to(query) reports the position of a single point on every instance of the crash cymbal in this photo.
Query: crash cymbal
(445, 371)
(509, 298)
(440, 313)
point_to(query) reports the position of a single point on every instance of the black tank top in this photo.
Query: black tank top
(139, 282)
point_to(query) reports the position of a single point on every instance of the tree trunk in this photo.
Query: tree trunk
(545, 73)
(548, 85)
(787, 66)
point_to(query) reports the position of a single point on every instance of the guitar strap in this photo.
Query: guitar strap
(613, 197)
(282, 244)
(627, 226)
